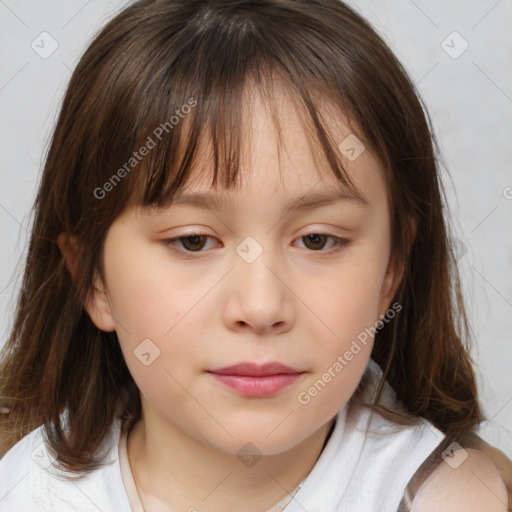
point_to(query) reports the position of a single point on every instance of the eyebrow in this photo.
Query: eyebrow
(309, 201)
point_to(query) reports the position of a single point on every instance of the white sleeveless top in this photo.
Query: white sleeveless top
(364, 467)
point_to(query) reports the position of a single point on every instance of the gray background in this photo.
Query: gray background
(469, 98)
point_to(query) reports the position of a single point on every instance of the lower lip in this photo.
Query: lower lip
(258, 386)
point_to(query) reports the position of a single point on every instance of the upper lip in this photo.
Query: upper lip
(255, 370)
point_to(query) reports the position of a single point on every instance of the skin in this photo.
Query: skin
(295, 304)
(473, 486)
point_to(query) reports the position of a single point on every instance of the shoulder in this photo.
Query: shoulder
(30, 479)
(20, 469)
(22, 455)
(465, 481)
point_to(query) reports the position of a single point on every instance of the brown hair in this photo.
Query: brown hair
(148, 62)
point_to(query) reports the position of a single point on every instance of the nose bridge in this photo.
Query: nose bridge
(253, 264)
(258, 296)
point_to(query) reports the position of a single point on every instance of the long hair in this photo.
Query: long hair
(144, 67)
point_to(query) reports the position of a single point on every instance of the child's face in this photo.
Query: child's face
(256, 290)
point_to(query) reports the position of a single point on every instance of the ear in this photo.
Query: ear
(98, 305)
(390, 286)
(394, 275)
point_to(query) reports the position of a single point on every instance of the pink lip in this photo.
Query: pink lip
(257, 380)
(256, 370)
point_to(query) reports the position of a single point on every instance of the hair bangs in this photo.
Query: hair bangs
(214, 138)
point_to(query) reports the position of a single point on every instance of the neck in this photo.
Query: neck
(174, 471)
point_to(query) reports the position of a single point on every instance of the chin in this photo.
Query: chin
(260, 440)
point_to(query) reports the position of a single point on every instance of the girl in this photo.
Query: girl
(240, 292)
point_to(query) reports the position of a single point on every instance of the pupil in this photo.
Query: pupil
(195, 239)
(316, 238)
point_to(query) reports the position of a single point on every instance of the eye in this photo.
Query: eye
(192, 243)
(316, 242)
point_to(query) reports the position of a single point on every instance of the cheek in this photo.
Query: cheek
(345, 299)
(342, 347)
(347, 302)
(155, 308)
(149, 294)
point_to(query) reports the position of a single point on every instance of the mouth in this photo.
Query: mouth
(250, 379)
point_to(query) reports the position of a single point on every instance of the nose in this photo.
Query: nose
(259, 297)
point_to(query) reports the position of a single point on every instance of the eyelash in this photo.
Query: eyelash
(170, 242)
